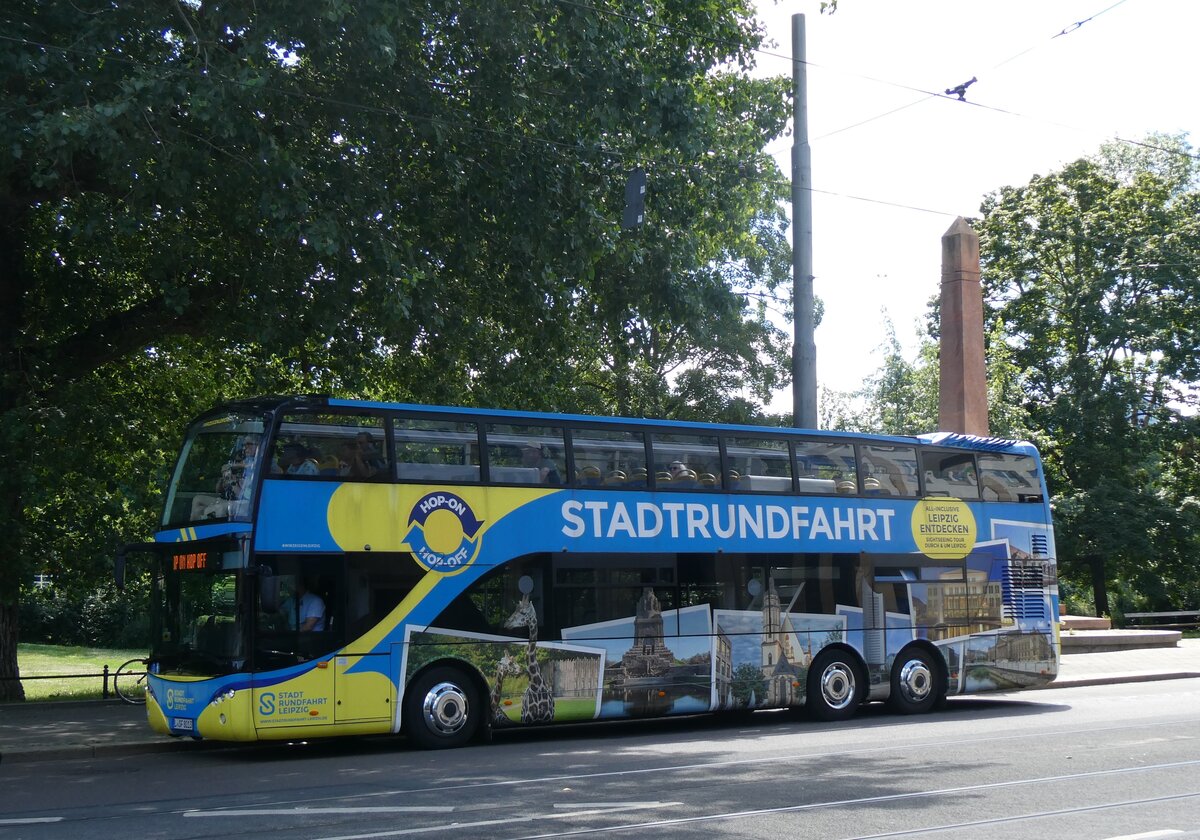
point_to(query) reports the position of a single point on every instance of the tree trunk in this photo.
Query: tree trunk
(10, 685)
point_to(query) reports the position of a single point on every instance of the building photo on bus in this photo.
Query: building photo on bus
(328, 567)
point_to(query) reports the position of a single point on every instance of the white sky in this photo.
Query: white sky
(1128, 71)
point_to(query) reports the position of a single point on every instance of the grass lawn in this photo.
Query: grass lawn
(48, 660)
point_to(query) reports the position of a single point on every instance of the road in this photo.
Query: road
(1096, 763)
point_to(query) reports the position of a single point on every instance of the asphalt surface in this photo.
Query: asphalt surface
(87, 729)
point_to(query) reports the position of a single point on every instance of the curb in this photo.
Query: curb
(63, 704)
(1117, 679)
(88, 751)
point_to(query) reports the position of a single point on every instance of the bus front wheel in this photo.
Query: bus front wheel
(441, 709)
(914, 682)
(833, 686)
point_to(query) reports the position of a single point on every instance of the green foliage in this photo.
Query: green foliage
(1092, 286)
(373, 199)
(99, 617)
(901, 397)
(1092, 276)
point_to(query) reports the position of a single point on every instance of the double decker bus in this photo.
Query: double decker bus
(330, 567)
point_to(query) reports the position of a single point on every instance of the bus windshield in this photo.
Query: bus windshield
(215, 477)
(199, 621)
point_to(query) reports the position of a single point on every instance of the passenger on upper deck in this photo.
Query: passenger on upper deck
(532, 455)
(232, 485)
(354, 461)
(296, 460)
(371, 455)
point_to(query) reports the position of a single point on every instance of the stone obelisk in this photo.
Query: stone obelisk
(962, 399)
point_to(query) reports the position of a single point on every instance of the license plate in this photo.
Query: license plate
(183, 723)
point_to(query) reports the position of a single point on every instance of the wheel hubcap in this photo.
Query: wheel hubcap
(445, 708)
(915, 681)
(837, 685)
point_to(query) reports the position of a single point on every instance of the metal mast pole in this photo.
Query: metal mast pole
(804, 348)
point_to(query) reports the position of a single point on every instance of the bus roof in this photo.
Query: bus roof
(277, 403)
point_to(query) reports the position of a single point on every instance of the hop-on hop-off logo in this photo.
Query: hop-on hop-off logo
(443, 533)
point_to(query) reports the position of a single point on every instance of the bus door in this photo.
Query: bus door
(297, 632)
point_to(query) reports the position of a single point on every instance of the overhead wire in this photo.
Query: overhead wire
(929, 94)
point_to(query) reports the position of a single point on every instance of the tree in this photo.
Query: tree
(416, 200)
(1093, 275)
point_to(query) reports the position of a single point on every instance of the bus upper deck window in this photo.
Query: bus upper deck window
(1009, 478)
(950, 474)
(826, 467)
(686, 462)
(347, 446)
(760, 464)
(609, 457)
(436, 449)
(889, 470)
(519, 454)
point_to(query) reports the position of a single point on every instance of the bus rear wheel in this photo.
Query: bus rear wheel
(833, 686)
(441, 709)
(914, 682)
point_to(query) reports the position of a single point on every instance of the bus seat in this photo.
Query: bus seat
(776, 483)
(589, 476)
(616, 478)
(707, 480)
(686, 478)
(847, 487)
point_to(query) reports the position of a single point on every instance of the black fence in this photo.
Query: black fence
(108, 686)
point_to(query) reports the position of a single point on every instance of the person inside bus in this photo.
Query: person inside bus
(232, 485)
(532, 455)
(354, 462)
(295, 459)
(371, 455)
(681, 474)
(304, 610)
(249, 454)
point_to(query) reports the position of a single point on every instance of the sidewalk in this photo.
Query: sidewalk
(88, 729)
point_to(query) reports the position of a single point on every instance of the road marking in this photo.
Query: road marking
(31, 820)
(783, 758)
(895, 797)
(308, 812)
(1149, 835)
(1041, 815)
(604, 808)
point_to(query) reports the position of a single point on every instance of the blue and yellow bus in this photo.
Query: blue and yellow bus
(329, 567)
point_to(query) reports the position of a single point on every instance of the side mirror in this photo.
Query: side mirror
(119, 560)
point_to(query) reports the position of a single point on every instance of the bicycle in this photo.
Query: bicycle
(129, 682)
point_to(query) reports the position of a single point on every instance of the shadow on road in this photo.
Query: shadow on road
(680, 730)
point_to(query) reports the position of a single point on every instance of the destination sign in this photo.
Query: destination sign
(190, 562)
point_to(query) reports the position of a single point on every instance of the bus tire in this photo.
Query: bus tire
(442, 708)
(835, 686)
(914, 682)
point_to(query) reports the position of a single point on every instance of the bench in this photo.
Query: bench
(1171, 620)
